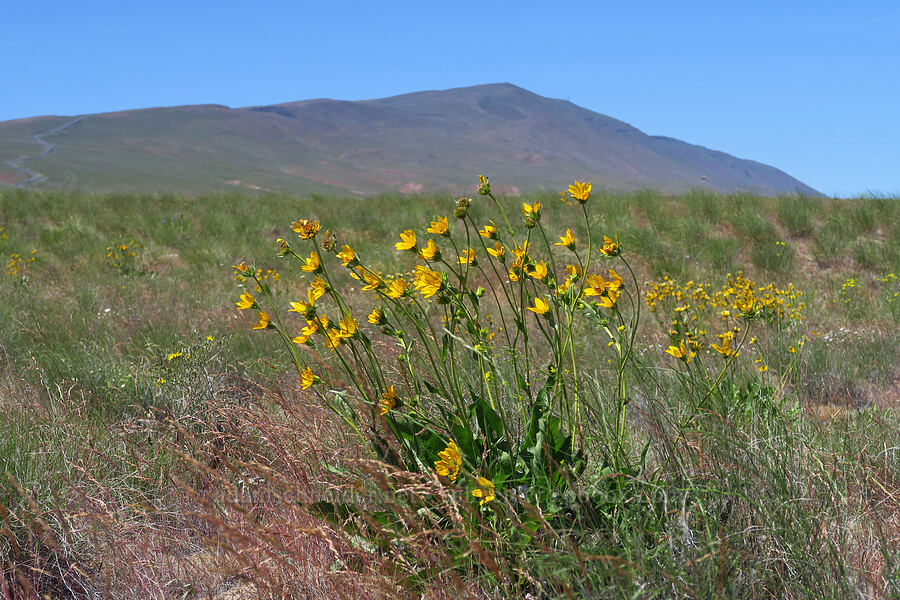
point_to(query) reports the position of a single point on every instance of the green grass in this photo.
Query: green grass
(94, 417)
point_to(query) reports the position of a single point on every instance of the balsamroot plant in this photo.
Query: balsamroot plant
(468, 366)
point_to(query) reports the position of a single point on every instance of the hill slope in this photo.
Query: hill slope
(424, 141)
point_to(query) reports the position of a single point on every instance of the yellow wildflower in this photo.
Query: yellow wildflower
(681, 352)
(334, 337)
(348, 326)
(396, 288)
(371, 280)
(541, 307)
(439, 227)
(610, 247)
(264, 320)
(498, 251)
(311, 328)
(485, 490)
(467, 258)
(303, 308)
(489, 231)
(307, 229)
(175, 355)
(307, 378)
(521, 254)
(376, 317)
(246, 302)
(725, 348)
(318, 287)
(388, 400)
(531, 210)
(428, 282)
(430, 251)
(407, 240)
(347, 256)
(580, 191)
(450, 461)
(615, 281)
(539, 270)
(567, 240)
(312, 263)
(596, 285)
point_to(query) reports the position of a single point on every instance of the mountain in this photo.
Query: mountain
(420, 142)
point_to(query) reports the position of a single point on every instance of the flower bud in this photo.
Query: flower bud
(330, 242)
(284, 248)
(484, 185)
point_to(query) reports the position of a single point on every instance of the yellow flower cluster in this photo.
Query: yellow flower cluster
(890, 278)
(123, 253)
(739, 296)
(16, 264)
(848, 289)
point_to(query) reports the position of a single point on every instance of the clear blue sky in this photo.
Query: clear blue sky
(810, 87)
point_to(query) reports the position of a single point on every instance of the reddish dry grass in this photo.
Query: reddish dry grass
(236, 522)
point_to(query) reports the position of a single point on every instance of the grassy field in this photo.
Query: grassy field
(153, 445)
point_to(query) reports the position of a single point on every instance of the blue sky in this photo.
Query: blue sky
(809, 87)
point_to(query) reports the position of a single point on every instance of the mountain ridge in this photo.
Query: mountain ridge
(417, 142)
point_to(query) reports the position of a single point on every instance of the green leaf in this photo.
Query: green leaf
(432, 388)
(445, 346)
(333, 512)
(489, 422)
(469, 447)
(421, 440)
(504, 468)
